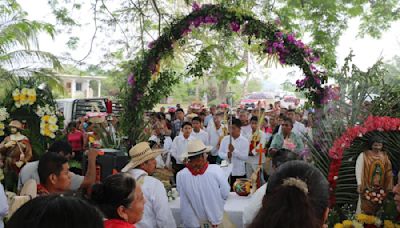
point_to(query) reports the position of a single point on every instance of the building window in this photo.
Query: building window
(78, 86)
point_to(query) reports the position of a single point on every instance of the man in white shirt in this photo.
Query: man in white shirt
(159, 140)
(215, 132)
(179, 147)
(235, 149)
(157, 212)
(258, 138)
(203, 188)
(209, 118)
(246, 128)
(197, 132)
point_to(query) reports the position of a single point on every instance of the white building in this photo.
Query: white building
(77, 86)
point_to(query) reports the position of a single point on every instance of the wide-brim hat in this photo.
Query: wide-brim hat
(16, 124)
(195, 147)
(140, 153)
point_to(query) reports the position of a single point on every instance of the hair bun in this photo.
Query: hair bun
(296, 182)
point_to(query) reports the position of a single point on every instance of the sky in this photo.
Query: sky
(367, 50)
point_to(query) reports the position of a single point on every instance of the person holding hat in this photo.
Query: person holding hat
(157, 212)
(203, 188)
(17, 151)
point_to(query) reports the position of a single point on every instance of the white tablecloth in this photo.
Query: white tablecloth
(234, 207)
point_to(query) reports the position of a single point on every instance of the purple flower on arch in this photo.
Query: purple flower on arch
(291, 38)
(279, 34)
(186, 31)
(196, 6)
(277, 21)
(131, 79)
(197, 22)
(210, 20)
(235, 27)
(151, 44)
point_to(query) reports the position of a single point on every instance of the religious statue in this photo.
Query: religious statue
(16, 151)
(374, 177)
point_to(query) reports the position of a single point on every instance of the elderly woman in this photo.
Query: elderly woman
(120, 200)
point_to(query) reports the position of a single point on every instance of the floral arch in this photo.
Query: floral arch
(146, 84)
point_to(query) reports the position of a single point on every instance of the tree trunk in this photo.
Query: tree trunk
(223, 85)
(246, 57)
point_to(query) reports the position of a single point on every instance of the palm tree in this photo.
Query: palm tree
(19, 48)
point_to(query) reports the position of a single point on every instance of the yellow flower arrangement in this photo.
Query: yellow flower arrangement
(368, 219)
(362, 219)
(48, 126)
(24, 96)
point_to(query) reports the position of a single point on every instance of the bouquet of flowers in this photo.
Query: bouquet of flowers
(24, 96)
(376, 196)
(3, 116)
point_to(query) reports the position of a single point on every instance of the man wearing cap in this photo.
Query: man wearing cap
(156, 209)
(203, 188)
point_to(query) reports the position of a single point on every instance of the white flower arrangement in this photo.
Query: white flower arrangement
(4, 114)
(46, 110)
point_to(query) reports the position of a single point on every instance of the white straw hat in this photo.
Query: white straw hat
(195, 147)
(140, 153)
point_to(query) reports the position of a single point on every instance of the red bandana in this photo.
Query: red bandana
(197, 168)
(41, 190)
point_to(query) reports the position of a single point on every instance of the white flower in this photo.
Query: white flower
(3, 114)
(16, 92)
(53, 120)
(53, 127)
(52, 135)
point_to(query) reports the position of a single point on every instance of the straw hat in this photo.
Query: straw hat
(140, 153)
(16, 124)
(195, 147)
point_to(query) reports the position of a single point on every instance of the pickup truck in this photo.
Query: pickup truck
(73, 108)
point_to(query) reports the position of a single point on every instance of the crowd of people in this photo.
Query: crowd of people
(193, 146)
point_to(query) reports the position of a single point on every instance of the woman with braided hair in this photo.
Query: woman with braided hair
(296, 196)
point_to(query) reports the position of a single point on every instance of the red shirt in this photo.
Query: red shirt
(75, 138)
(117, 223)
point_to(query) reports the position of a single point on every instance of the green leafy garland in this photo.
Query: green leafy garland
(146, 85)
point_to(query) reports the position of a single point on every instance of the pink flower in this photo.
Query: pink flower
(196, 6)
(210, 20)
(235, 26)
(131, 79)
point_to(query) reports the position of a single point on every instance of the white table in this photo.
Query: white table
(234, 207)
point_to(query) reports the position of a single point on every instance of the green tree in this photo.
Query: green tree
(19, 52)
